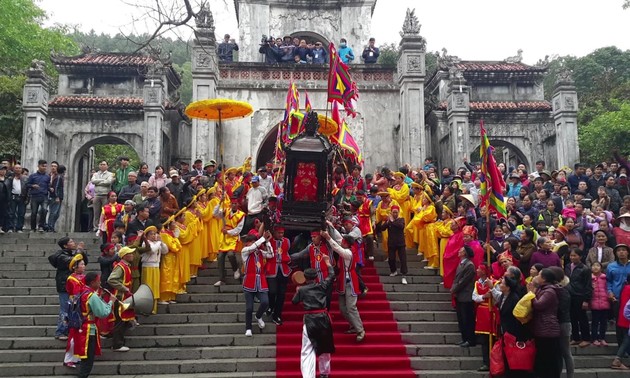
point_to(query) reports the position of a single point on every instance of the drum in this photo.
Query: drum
(298, 278)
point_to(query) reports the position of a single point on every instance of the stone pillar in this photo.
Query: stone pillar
(411, 74)
(253, 22)
(35, 109)
(153, 95)
(565, 109)
(458, 100)
(356, 26)
(205, 73)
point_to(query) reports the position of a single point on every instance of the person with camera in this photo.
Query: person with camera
(270, 49)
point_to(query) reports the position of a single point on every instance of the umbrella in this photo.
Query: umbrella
(327, 125)
(219, 109)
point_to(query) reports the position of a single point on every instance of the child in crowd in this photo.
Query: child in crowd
(600, 305)
(569, 210)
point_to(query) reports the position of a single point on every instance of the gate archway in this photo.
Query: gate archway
(505, 152)
(79, 172)
(266, 150)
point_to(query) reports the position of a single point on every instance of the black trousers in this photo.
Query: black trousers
(277, 290)
(548, 357)
(402, 256)
(85, 367)
(466, 321)
(368, 244)
(580, 330)
(484, 341)
(120, 328)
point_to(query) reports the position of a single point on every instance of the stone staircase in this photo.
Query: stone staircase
(203, 334)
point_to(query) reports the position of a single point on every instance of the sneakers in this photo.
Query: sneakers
(360, 336)
(10, 231)
(20, 231)
(248, 333)
(162, 302)
(61, 337)
(597, 343)
(237, 274)
(276, 321)
(40, 229)
(584, 344)
(617, 365)
(269, 312)
(371, 258)
(122, 349)
(404, 281)
(261, 323)
(603, 343)
(219, 283)
(172, 302)
(71, 365)
(394, 274)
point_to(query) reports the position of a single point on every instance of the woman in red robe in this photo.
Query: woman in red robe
(455, 243)
(470, 239)
(108, 216)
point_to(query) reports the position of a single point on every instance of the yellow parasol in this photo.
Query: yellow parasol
(327, 125)
(219, 109)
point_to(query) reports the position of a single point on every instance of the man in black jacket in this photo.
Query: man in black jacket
(462, 290)
(141, 222)
(60, 260)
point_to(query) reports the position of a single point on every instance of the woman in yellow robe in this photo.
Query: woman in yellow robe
(443, 232)
(215, 224)
(400, 194)
(196, 249)
(169, 269)
(383, 210)
(206, 214)
(427, 242)
(412, 234)
(186, 236)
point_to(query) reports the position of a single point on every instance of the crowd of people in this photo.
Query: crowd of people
(299, 51)
(561, 249)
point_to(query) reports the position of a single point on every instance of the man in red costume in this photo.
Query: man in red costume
(470, 239)
(278, 272)
(87, 343)
(120, 280)
(365, 212)
(455, 243)
(315, 252)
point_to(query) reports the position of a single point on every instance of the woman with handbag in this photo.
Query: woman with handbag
(545, 324)
(512, 327)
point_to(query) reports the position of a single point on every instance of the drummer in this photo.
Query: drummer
(317, 335)
(315, 252)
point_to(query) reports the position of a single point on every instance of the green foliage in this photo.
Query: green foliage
(389, 55)
(602, 80)
(22, 39)
(112, 152)
(185, 70)
(607, 132)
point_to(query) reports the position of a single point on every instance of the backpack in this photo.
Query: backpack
(75, 318)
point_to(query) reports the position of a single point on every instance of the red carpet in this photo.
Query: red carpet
(381, 354)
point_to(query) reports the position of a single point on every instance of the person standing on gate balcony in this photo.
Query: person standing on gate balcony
(17, 200)
(102, 180)
(225, 49)
(38, 184)
(370, 52)
(56, 192)
(345, 52)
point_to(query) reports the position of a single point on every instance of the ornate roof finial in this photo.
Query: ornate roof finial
(515, 59)
(205, 23)
(411, 26)
(564, 75)
(446, 61)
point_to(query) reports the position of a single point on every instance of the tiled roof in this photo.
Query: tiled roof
(488, 66)
(96, 102)
(105, 59)
(505, 106)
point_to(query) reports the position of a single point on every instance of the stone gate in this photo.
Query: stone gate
(404, 115)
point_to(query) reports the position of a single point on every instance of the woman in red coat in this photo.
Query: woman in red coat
(455, 243)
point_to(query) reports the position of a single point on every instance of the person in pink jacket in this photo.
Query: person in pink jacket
(600, 305)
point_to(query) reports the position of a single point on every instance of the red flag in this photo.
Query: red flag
(492, 183)
(341, 87)
(307, 103)
(292, 105)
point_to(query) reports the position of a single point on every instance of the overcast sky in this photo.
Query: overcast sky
(472, 30)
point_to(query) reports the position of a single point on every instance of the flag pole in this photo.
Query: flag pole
(488, 247)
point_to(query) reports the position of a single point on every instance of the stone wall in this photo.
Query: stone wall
(265, 88)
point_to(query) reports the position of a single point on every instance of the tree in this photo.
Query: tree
(22, 39)
(389, 54)
(111, 153)
(607, 132)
